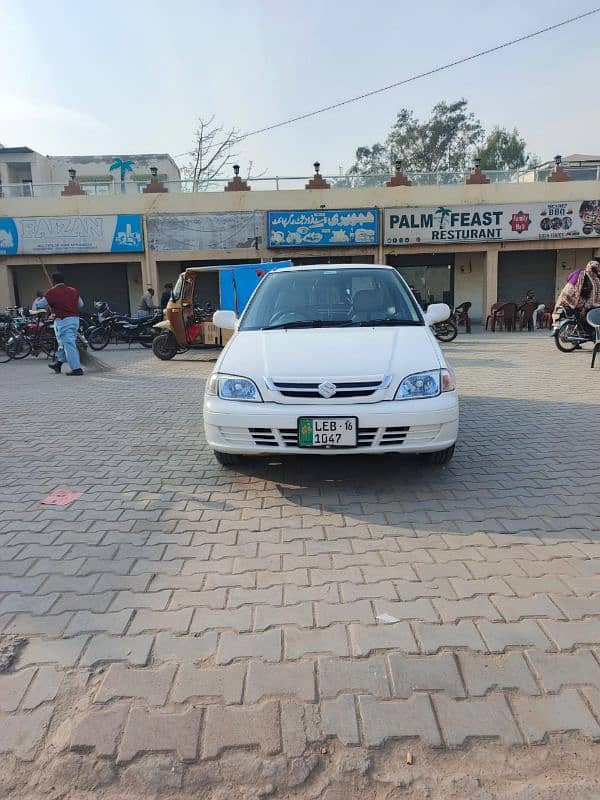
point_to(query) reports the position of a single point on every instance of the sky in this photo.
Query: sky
(133, 76)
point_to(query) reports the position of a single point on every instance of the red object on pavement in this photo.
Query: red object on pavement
(61, 497)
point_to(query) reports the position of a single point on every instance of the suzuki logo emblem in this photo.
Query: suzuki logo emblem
(327, 389)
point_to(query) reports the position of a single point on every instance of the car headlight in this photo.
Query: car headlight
(232, 387)
(426, 384)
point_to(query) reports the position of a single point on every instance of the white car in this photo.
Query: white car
(328, 360)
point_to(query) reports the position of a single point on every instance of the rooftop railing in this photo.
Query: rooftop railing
(286, 182)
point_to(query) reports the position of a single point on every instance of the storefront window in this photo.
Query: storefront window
(430, 277)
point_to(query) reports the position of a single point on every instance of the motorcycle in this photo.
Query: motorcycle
(568, 330)
(123, 328)
(446, 331)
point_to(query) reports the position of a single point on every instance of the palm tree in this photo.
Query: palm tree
(124, 165)
(443, 212)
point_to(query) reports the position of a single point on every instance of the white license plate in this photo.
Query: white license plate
(327, 431)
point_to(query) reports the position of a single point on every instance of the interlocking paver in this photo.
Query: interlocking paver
(367, 676)
(499, 636)
(182, 598)
(437, 673)
(568, 634)
(156, 731)
(358, 611)
(483, 673)
(174, 621)
(242, 597)
(553, 714)
(184, 648)
(556, 670)
(395, 636)
(224, 683)
(13, 688)
(23, 733)
(133, 649)
(299, 642)
(434, 637)
(151, 685)
(466, 719)
(265, 645)
(88, 622)
(516, 608)
(472, 608)
(293, 680)
(65, 652)
(272, 616)
(398, 719)
(155, 600)
(43, 689)
(227, 727)
(575, 607)
(239, 619)
(100, 730)
(338, 718)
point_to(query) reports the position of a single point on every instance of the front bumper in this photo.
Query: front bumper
(405, 426)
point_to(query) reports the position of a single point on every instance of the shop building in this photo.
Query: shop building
(480, 242)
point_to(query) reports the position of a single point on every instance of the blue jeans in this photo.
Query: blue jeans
(66, 336)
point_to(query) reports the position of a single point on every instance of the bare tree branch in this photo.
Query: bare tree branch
(212, 152)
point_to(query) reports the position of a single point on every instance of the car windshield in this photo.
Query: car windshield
(328, 298)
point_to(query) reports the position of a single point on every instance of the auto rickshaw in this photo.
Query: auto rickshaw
(198, 293)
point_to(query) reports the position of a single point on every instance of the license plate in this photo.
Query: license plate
(327, 431)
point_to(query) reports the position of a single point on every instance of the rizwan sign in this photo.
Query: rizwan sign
(562, 220)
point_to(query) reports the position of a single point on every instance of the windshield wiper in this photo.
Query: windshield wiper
(306, 323)
(372, 323)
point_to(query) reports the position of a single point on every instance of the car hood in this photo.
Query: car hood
(331, 353)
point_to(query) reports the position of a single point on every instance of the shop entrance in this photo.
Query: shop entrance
(109, 282)
(430, 276)
(520, 271)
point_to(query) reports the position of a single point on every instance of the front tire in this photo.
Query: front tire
(227, 459)
(441, 456)
(18, 347)
(563, 344)
(98, 338)
(446, 331)
(164, 346)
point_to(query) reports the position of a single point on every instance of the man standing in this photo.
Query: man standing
(146, 306)
(65, 303)
(166, 295)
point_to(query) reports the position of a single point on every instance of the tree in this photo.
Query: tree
(212, 151)
(124, 166)
(445, 141)
(505, 150)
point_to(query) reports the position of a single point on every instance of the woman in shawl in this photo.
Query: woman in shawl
(583, 292)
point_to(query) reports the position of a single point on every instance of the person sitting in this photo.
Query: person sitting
(582, 295)
(146, 306)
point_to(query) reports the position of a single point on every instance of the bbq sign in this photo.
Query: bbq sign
(461, 224)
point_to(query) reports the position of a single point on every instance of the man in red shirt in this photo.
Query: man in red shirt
(65, 303)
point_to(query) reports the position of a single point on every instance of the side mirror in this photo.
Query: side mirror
(225, 319)
(437, 312)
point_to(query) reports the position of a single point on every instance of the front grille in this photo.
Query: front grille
(391, 436)
(344, 389)
(263, 437)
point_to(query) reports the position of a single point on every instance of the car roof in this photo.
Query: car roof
(308, 267)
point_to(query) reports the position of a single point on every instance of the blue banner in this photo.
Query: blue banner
(114, 233)
(346, 227)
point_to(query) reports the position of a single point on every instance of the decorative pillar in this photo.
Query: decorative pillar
(155, 186)
(72, 188)
(490, 280)
(7, 293)
(477, 176)
(399, 178)
(237, 184)
(558, 175)
(317, 181)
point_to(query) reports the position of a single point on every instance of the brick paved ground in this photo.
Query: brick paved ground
(182, 609)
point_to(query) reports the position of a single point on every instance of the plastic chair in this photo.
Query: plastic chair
(462, 315)
(526, 312)
(593, 319)
(494, 317)
(509, 316)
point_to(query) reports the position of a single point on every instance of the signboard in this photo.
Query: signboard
(574, 219)
(346, 227)
(225, 231)
(115, 233)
